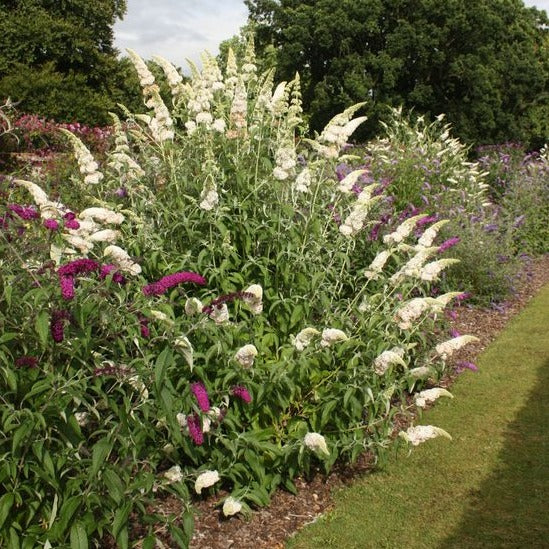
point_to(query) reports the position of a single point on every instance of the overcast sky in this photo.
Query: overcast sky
(180, 29)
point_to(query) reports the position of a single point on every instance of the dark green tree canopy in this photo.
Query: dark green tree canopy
(57, 57)
(485, 63)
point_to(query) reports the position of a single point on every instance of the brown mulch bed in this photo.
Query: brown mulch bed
(269, 527)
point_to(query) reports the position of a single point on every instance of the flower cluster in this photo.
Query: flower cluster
(421, 433)
(161, 286)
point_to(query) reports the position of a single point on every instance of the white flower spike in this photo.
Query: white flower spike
(205, 480)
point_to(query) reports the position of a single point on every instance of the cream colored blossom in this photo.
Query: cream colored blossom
(82, 418)
(403, 230)
(239, 107)
(348, 182)
(106, 235)
(245, 356)
(146, 77)
(387, 358)
(38, 194)
(122, 260)
(83, 245)
(303, 181)
(103, 215)
(231, 506)
(444, 299)
(331, 336)
(193, 306)
(431, 271)
(317, 443)
(219, 125)
(414, 265)
(376, 266)
(430, 395)
(205, 480)
(354, 222)
(419, 372)
(173, 474)
(430, 234)
(204, 118)
(181, 419)
(162, 317)
(220, 314)
(421, 433)
(254, 300)
(412, 310)
(139, 386)
(209, 197)
(447, 348)
(172, 75)
(304, 338)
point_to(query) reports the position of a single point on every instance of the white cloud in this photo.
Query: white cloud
(178, 29)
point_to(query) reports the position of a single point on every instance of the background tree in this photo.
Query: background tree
(57, 57)
(484, 63)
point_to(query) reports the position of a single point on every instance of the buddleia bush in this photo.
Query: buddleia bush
(203, 310)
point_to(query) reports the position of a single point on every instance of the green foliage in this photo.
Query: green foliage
(493, 85)
(57, 58)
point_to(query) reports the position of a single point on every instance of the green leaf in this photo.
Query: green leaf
(101, 450)
(165, 359)
(8, 337)
(188, 523)
(6, 503)
(149, 542)
(121, 519)
(179, 536)
(53, 511)
(14, 539)
(114, 485)
(79, 538)
(67, 511)
(41, 326)
(20, 434)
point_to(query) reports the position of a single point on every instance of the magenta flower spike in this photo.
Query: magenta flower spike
(201, 395)
(165, 283)
(241, 392)
(195, 429)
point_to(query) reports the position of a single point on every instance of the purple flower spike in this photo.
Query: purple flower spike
(199, 391)
(72, 224)
(67, 287)
(195, 429)
(165, 283)
(51, 224)
(78, 266)
(56, 325)
(144, 327)
(26, 361)
(106, 270)
(463, 365)
(24, 212)
(241, 392)
(447, 244)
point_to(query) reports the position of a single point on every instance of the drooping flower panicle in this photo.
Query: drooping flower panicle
(169, 281)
